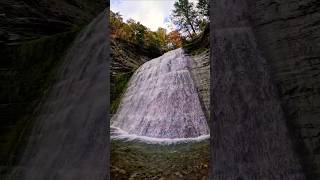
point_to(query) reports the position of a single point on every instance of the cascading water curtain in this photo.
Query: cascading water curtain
(159, 91)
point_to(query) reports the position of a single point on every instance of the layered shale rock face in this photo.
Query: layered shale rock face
(70, 136)
(34, 38)
(125, 58)
(288, 34)
(23, 20)
(161, 100)
(250, 137)
(201, 76)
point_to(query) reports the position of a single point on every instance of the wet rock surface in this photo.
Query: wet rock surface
(34, 38)
(23, 20)
(132, 160)
(201, 76)
(288, 34)
(70, 137)
(250, 138)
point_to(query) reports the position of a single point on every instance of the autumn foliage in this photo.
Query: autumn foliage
(134, 32)
(175, 39)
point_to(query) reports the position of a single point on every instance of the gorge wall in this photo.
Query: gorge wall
(288, 34)
(272, 49)
(125, 58)
(201, 76)
(34, 38)
(23, 20)
(69, 138)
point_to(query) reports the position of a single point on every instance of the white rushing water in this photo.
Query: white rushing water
(119, 134)
(161, 103)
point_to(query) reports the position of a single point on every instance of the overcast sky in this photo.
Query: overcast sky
(151, 13)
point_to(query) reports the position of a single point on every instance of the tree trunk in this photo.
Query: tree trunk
(188, 31)
(192, 27)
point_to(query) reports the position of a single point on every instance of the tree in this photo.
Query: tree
(203, 11)
(184, 16)
(138, 31)
(203, 8)
(134, 32)
(116, 25)
(175, 39)
(151, 39)
(161, 34)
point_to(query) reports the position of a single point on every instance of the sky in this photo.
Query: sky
(150, 13)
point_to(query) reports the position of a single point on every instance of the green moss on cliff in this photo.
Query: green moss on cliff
(126, 57)
(121, 80)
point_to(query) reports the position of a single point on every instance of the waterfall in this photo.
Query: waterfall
(161, 101)
(69, 139)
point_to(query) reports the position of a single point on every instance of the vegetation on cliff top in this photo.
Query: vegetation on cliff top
(189, 19)
(136, 33)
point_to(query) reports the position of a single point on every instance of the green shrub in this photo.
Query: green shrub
(120, 82)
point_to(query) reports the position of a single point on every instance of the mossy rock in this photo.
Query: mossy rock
(131, 159)
(119, 86)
